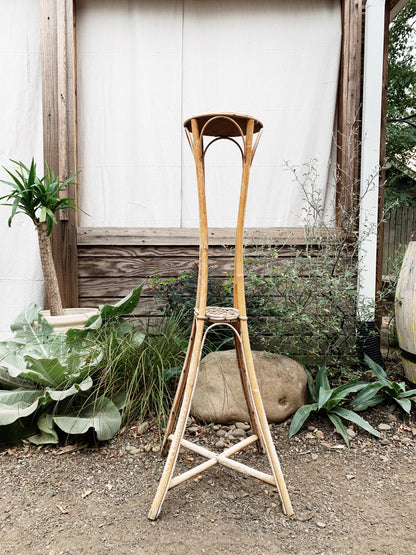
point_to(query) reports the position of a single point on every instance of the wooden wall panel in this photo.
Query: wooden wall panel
(112, 261)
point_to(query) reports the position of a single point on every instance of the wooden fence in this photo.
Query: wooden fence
(397, 231)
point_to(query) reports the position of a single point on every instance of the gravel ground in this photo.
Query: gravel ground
(81, 499)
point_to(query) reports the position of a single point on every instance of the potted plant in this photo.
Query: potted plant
(40, 199)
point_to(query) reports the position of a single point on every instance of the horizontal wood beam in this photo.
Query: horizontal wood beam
(122, 236)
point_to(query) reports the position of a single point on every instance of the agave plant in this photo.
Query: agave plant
(329, 402)
(40, 198)
(383, 389)
(45, 384)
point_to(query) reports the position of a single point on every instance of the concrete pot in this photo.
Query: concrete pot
(72, 318)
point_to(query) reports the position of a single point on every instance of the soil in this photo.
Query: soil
(77, 498)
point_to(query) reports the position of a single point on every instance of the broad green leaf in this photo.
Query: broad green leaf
(339, 426)
(123, 307)
(120, 400)
(340, 393)
(30, 328)
(17, 403)
(321, 380)
(300, 416)
(376, 400)
(356, 419)
(375, 368)
(59, 395)
(101, 415)
(367, 394)
(18, 430)
(323, 396)
(46, 432)
(45, 371)
(8, 382)
(409, 393)
(171, 372)
(405, 404)
(311, 386)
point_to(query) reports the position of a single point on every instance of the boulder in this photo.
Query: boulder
(219, 395)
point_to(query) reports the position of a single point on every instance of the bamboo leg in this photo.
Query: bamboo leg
(179, 392)
(246, 388)
(180, 425)
(264, 425)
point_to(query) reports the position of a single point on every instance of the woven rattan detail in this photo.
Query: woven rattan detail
(220, 314)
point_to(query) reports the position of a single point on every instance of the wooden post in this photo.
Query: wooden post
(59, 129)
(349, 107)
(380, 236)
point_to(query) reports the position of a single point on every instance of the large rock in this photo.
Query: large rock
(219, 395)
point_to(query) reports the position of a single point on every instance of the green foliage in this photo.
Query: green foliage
(328, 401)
(401, 108)
(177, 298)
(383, 389)
(91, 378)
(37, 197)
(305, 306)
(137, 366)
(45, 384)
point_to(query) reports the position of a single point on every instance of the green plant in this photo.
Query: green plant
(139, 365)
(401, 109)
(40, 198)
(176, 297)
(383, 389)
(45, 385)
(328, 401)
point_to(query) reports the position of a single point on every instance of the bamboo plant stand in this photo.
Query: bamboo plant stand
(240, 130)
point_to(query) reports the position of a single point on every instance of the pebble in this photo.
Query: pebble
(221, 433)
(309, 435)
(142, 428)
(392, 418)
(242, 426)
(385, 441)
(311, 428)
(193, 429)
(319, 434)
(384, 427)
(220, 444)
(350, 476)
(321, 524)
(314, 457)
(239, 433)
(351, 434)
(132, 450)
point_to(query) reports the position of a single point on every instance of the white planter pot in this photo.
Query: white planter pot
(72, 318)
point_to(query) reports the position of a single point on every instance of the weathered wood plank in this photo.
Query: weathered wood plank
(139, 267)
(59, 129)
(349, 102)
(190, 237)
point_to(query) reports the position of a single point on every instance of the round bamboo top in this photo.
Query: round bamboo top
(222, 124)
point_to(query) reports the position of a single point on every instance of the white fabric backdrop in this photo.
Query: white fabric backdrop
(145, 66)
(21, 139)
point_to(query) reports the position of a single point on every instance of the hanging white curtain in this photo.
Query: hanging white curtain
(146, 66)
(21, 280)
